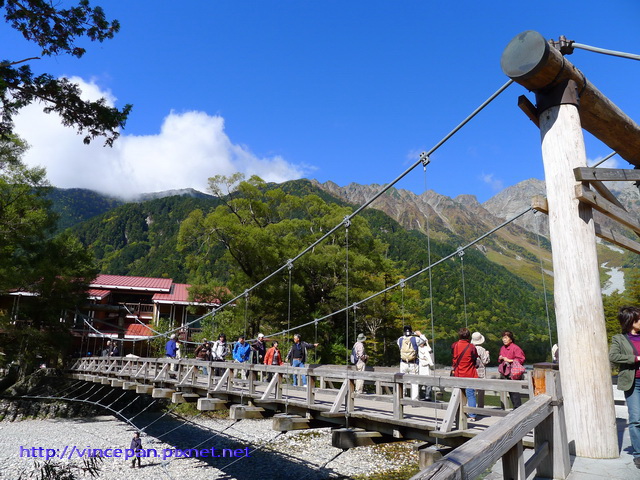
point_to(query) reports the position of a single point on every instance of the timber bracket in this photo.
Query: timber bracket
(564, 93)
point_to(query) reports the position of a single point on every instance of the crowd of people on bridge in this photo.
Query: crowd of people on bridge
(469, 359)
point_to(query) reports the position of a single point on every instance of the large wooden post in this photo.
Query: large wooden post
(582, 338)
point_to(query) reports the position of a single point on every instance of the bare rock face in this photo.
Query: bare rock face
(515, 199)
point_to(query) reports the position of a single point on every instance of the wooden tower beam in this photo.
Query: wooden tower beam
(537, 66)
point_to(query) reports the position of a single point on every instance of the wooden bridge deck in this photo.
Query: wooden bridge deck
(328, 398)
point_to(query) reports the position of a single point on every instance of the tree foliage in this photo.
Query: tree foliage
(260, 228)
(56, 31)
(53, 272)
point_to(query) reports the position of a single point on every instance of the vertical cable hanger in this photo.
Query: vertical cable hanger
(290, 268)
(544, 284)
(347, 224)
(246, 310)
(464, 292)
(425, 161)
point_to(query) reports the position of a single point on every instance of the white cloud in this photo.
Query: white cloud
(495, 184)
(189, 148)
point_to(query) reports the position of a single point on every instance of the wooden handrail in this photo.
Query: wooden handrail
(543, 413)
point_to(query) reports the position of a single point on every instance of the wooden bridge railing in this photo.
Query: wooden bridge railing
(185, 373)
(543, 414)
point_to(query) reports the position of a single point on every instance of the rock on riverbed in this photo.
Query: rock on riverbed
(302, 454)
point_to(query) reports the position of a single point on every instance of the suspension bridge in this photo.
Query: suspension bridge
(566, 103)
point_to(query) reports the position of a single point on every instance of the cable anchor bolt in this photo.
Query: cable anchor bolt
(347, 221)
(290, 264)
(402, 283)
(460, 252)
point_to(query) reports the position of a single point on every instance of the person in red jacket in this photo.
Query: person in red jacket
(465, 356)
(273, 357)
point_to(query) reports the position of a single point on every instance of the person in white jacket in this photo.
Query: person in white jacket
(425, 364)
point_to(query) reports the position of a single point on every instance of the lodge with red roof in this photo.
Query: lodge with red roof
(121, 306)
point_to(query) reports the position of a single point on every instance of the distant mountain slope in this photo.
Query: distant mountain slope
(75, 205)
(460, 221)
(139, 238)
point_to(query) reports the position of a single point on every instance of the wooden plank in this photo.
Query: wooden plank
(607, 208)
(529, 109)
(273, 384)
(342, 395)
(191, 371)
(539, 203)
(452, 410)
(606, 194)
(482, 451)
(224, 381)
(534, 460)
(616, 238)
(513, 463)
(588, 174)
(553, 431)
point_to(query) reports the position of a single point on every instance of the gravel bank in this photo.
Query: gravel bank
(302, 454)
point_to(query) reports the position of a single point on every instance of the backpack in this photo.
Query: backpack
(354, 357)
(407, 350)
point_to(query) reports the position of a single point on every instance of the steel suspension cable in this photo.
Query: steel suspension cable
(386, 187)
(464, 291)
(631, 56)
(603, 160)
(420, 272)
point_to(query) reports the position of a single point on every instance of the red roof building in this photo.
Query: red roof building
(119, 303)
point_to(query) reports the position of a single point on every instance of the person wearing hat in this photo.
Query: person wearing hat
(408, 345)
(171, 348)
(477, 339)
(360, 358)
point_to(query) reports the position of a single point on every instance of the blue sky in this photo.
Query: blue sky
(347, 91)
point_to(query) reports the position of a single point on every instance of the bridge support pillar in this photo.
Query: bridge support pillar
(240, 412)
(430, 454)
(146, 389)
(184, 397)
(116, 383)
(129, 385)
(346, 438)
(284, 423)
(206, 404)
(162, 393)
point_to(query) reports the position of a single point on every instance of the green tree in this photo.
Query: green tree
(53, 271)
(259, 228)
(56, 31)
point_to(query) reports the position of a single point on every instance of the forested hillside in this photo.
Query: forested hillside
(142, 239)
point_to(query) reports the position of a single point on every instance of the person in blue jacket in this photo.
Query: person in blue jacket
(171, 349)
(242, 353)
